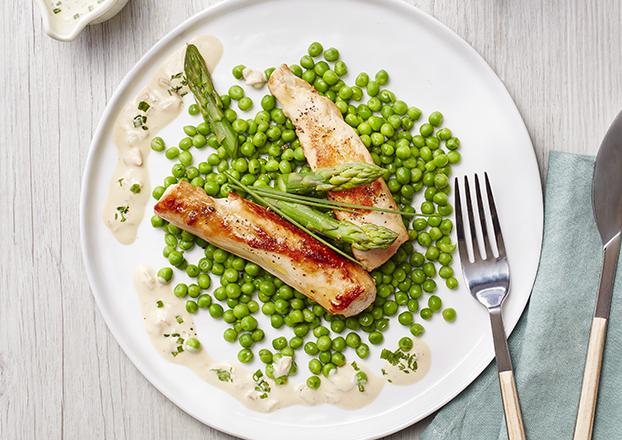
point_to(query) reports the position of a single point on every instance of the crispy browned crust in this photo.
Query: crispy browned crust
(257, 234)
(328, 141)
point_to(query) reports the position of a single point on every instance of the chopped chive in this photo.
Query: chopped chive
(143, 106)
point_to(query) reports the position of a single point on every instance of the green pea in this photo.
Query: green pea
(435, 303)
(331, 54)
(186, 142)
(296, 342)
(279, 343)
(340, 68)
(429, 285)
(362, 79)
(330, 77)
(238, 71)
(245, 104)
(194, 110)
(172, 153)
(451, 283)
(338, 359)
(204, 301)
(315, 49)
(453, 143)
(382, 77)
(320, 68)
(426, 313)
(401, 298)
(249, 323)
(449, 314)
(191, 306)
(165, 275)
(453, 157)
(245, 355)
(276, 321)
(405, 318)
(405, 343)
(417, 329)
(414, 113)
(426, 130)
(390, 308)
(324, 343)
(203, 128)
(157, 221)
(362, 351)
(376, 338)
(328, 369)
(307, 62)
(387, 96)
(314, 382)
(265, 356)
(185, 158)
(193, 344)
(230, 335)
(373, 88)
(190, 130)
(230, 318)
(268, 72)
(338, 344)
(296, 70)
(435, 118)
(176, 258)
(157, 144)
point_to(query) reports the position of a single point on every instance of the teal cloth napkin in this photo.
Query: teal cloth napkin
(549, 343)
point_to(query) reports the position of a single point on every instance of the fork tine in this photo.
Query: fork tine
(495, 219)
(476, 253)
(482, 218)
(462, 246)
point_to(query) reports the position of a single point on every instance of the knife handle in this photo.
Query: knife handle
(591, 379)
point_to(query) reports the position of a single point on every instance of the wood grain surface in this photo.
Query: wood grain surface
(62, 374)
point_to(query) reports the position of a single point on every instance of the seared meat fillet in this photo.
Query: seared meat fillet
(328, 141)
(259, 235)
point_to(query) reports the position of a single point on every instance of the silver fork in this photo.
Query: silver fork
(488, 278)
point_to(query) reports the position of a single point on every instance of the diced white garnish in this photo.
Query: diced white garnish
(254, 78)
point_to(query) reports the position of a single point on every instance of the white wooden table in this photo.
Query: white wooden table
(62, 375)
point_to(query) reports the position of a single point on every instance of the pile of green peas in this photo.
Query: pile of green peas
(417, 155)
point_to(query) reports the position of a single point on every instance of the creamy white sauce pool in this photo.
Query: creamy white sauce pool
(159, 103)
(400, 374)
(169, 325)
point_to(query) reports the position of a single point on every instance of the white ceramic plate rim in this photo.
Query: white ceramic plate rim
(99, 133)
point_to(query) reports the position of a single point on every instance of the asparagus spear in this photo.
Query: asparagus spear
(338, 178)
(201, 85)
(363, 237)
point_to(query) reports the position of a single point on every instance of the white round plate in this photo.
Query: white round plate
(430, 67)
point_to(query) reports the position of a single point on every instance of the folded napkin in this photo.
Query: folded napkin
(549, 343)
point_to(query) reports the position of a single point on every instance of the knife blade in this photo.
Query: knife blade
(607, 207)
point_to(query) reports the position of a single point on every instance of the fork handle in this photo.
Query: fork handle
(511, 406)
(509, 394)
(591, 378)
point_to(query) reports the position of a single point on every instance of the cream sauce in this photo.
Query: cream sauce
(167, 324)
(132, 134)
(407, 376)
(69, 11)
